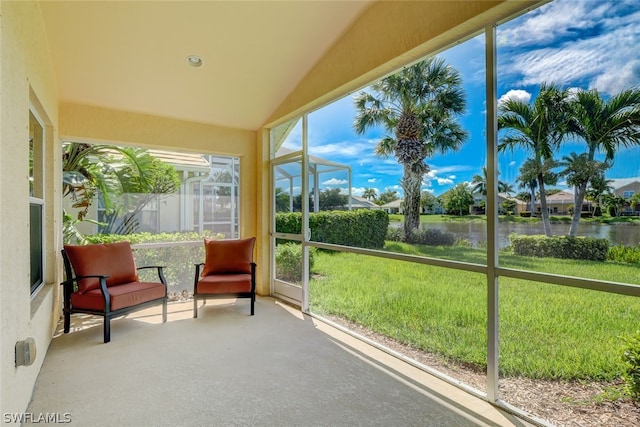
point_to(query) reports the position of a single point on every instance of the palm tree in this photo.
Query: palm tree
(370, 194)
(604, 126)
(110, 171)
(598, 186)
(578, 169)
(417, 105)
(479, 184)
(540, 128)
(91, 169)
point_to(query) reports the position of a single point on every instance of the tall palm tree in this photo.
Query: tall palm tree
(539, 127)
(418, 106)
(605, 126)
(370, 194)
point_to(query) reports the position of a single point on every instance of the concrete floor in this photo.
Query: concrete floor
(226, 368)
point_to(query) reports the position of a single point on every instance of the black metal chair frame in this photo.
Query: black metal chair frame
(204, 297)
(70, 286)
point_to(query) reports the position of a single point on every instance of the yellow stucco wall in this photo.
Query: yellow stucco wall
(26, 80)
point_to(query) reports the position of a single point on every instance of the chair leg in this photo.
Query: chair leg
(195, 308)
(107, 329)
(253, 301)
(164, 311)
(67, 321)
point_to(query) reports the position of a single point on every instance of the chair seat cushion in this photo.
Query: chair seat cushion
(224, 284)
(122, 296)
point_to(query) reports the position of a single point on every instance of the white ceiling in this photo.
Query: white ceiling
(131, 55)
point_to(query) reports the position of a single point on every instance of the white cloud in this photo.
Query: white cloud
(444, 181)
(549, 22)
(335, 181)
(569, 41)
(452, 177)
(372, 180)
(512, 163)
(515, 95)
(614, 81)
(346, 148)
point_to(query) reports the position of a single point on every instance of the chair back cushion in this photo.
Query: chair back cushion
(228, 256)
(111, 259)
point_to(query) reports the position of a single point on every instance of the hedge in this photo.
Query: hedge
(178, 260)
(586, 248)
(361, 228)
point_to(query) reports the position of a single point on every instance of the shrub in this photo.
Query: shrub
(622, 253)
(289, 261)
(631, 357)
(395, 234)
(525, 214)
(431, 237)
(585, 248)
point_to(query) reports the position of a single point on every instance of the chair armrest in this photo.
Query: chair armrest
(160, 272)
(76, 279)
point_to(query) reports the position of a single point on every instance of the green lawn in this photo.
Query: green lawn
(546, 331)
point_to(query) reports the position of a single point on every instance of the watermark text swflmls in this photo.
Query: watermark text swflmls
(35, 418)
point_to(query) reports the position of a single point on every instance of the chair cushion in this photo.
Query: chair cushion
(122, 296)
(228, 256)
(111, 259)
(224, 284)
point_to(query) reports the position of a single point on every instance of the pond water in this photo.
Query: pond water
(476, 232)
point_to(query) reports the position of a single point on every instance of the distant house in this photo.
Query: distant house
(627, 188)
(562, 203)
(520, 205)
(395, 207)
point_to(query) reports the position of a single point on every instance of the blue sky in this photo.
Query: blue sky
(573, 43)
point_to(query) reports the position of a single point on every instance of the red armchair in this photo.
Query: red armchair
(102, 279)
(228, 272)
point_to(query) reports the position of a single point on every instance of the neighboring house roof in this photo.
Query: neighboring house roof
(561, 197)
(395, 204)
(181, 159)
(362, 202)
(623, 182)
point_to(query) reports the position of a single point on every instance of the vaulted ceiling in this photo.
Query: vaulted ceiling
(132, 55)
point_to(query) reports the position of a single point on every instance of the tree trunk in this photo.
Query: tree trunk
(411, 183)
(543, 207)
(577, 208)
(533, 202)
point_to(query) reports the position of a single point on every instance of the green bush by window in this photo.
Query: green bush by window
(586, 248)
(289, 261)
(178, 260)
